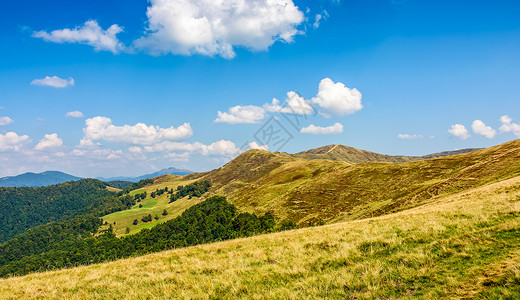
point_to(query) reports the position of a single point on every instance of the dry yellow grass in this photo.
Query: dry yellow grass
(458, 246)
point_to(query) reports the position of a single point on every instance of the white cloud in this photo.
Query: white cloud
(101, 128)
(12, 141)
(135, 149)
(479, 127)
(5, 121)
(211, 27)
(294, 104)
(54, 81)
(241, 115)
(221, 148)
(406, 136)
(90, 34)
(509, 126)
(254, 145)
(459, 131)
(74, 114)
(50, 141)
(319, 17)
(337, 99)
(313, 129)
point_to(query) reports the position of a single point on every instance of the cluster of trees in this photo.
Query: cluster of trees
(195, 189)
(120, 184)
(212, 220)
(22, 208)
(139, 197)
(159, 192)
(136, 185)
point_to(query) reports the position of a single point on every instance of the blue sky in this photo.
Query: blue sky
(118, 87)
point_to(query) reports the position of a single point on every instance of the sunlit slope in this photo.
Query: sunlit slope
(313, 191)
(354, 155)
(350, 154)
(154, 206)
(460, 246)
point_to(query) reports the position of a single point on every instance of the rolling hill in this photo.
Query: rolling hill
(354, 155)
(37, 179)
(462, 245)
(326, 191)
(319, 191)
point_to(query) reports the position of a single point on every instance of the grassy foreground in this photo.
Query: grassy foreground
(466, 245)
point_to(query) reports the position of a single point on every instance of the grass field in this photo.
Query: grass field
(154, 206)
(464, 245)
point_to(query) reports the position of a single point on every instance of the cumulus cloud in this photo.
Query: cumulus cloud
(313, 129)
(221, 148)
(479, 127)
(49, 141)
(241, 115)
(5, 121)
(210, 27)
(12, 141)
(459, 131)
(101, 128)
(509, 126)
(337, 99)
(254, 145)
(294, 104)
(74, 114)
(54, 81)
(89, 33)
(406, 136)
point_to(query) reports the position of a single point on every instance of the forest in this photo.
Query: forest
(78, 242)
(22, 208)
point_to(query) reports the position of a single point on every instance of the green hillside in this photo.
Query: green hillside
(22, 208)
(464, 245)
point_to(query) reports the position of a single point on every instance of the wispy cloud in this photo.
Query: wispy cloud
(74, 114)
(5, 121)
(313, 129)
(406, 136)
(89, 33)
(54, 81)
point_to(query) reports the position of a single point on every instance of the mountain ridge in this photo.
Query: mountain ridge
(340, 152)
(31, 179)
(166, 171)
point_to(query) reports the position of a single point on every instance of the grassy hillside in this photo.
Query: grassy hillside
(155, 206)
(312, 191)
(350, 154)
(325, 191)
(316, 191)
(464, 245)
(354, 155)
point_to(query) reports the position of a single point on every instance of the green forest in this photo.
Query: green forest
(78, 242)
(23, 208)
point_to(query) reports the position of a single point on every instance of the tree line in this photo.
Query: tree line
(75, 242)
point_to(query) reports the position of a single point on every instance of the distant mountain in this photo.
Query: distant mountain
(168, 171)
(354, 155)
(37, 179)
